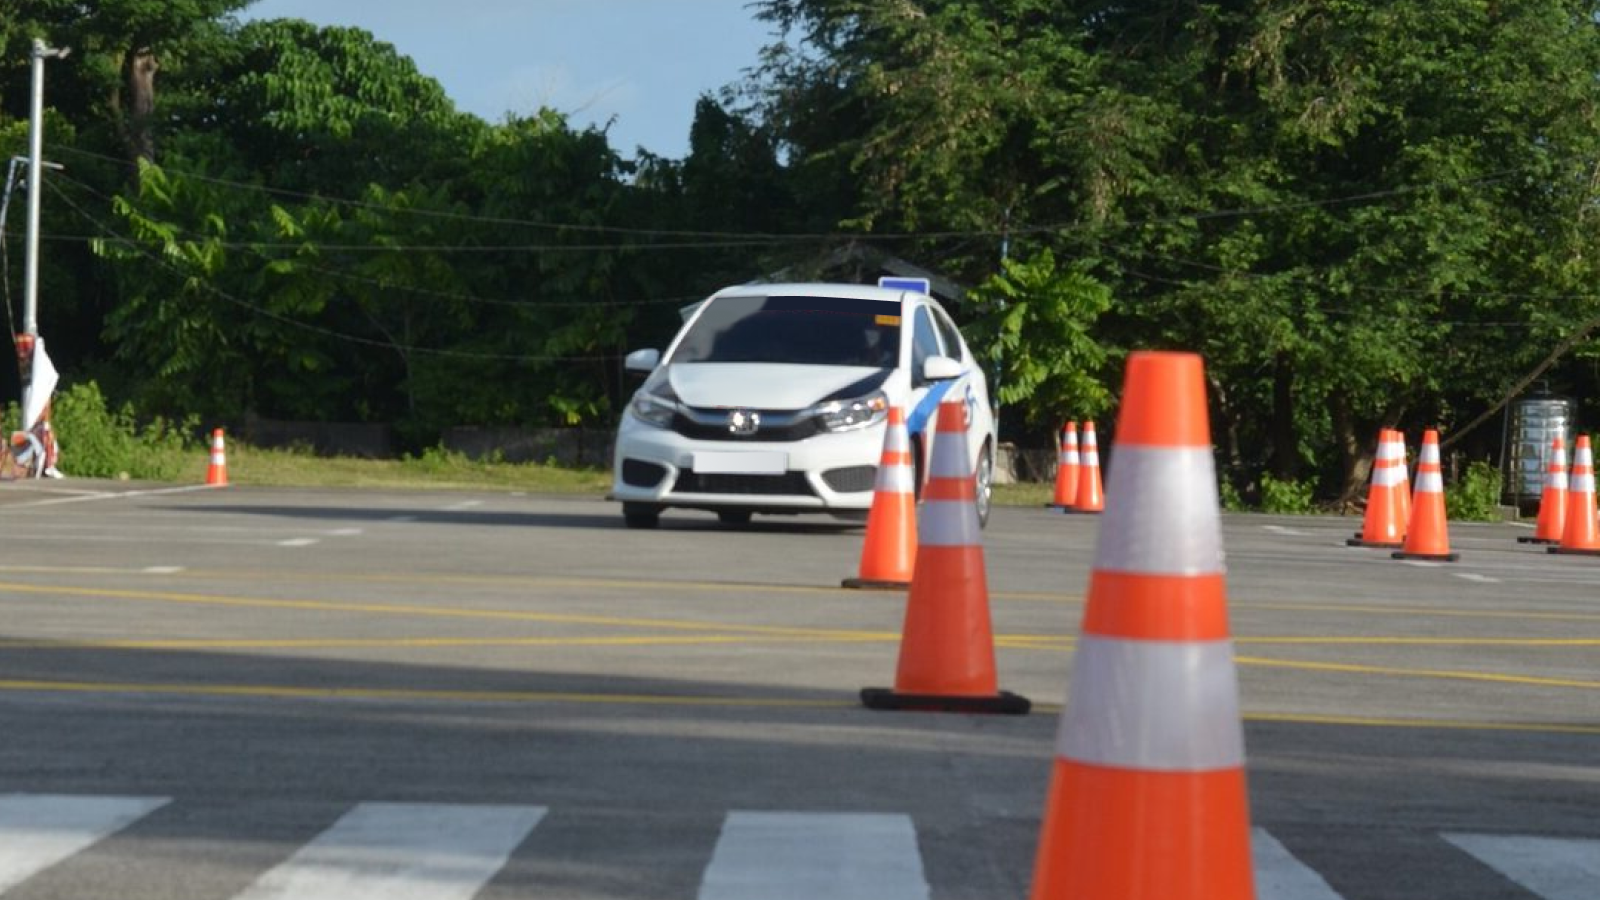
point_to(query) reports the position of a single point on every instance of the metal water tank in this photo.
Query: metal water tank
(1532, 425)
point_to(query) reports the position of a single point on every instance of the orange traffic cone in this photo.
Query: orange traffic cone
(1552, 522)
(217, 473)
(1147, 796)
(890, 552)
(1067, 469)
(947, 646)
(1579, 535)
(1427, 534)
(1091, 497)
(1383, 525)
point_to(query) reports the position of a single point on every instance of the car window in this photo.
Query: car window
(948, 331)
(924, 342)
(819, 331)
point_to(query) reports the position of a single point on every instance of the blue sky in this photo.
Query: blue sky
(642, 63)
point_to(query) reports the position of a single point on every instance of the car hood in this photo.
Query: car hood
(765, 385)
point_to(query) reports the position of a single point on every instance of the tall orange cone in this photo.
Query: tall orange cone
(947, 645)
(1579, 536)
(1147, 796)
(217, 472)
(1428, 532)
(1383, 525)
(1091, 497)
(1551, 525)
(889, 554)
(1066, 495)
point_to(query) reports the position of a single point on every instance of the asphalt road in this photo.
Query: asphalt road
(211, 693)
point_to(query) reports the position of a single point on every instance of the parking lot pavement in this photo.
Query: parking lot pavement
(211, 691)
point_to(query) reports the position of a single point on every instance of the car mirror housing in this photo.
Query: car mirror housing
(941, 368)
(642, 362)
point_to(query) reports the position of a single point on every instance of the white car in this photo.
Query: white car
(774, 398)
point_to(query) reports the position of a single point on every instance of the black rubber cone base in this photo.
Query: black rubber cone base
(1434, 557)
(1382, 545)
(1537, 540)
(868, 584)
(1003, 703)
(1574, 551)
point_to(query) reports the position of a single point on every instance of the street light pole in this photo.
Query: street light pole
(30, 282)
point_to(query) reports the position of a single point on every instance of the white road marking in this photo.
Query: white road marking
(1284, 529)
(803, 856)
(1553, 868)
(343, 532)
(161, 570)
(465, 504)
(113, 495)
(39, 830)
(1474, 576)
(401, 851)
(1279, 876)
(297, 542)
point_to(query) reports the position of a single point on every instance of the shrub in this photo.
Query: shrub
(100, 443)
(1292, 497)
(1476, 497)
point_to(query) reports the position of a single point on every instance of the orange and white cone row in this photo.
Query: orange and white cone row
(947, 659)
(1428, 530)
(1147, 796)
(1066, 492)
(1384, 525)
(1552, 521)
(217, 471)
(1091, 496)
(1579, 536)
(889, 553)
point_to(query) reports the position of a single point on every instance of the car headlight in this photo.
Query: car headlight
(849, 415)
(655, 404)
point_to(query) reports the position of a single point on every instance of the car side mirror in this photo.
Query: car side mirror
(941, 368)
(642, 362)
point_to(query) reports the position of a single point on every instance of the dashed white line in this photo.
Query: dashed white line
(297, 542)
(1474, 576)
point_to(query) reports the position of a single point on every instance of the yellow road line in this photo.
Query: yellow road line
(392, 609)
(1449, 724)
(291, 692)
(429, 642)
(1384, 641)
(1418, 673)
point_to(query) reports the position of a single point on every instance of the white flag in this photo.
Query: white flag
(41, 386)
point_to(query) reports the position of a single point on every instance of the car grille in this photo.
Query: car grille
(787, 484)
(776, 426)
(638, 473)
(851, 479)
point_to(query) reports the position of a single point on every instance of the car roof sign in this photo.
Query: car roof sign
(920, 285)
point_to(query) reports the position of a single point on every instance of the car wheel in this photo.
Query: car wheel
(984, 478)
(640, 515)
(733, 516)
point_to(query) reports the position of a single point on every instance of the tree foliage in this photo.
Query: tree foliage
(1363, 214)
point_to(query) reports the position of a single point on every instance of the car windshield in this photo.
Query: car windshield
(816, 331)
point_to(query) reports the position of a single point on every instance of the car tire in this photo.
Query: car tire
(641, 515)
(984, 478)
(733, 516)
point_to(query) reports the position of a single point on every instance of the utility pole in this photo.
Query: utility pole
(30, 281)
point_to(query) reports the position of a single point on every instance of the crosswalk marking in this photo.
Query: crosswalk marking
(401, 851)
(1279, 876)
(1553, 868)
(420, 851)
(802, 856)
(39, 830)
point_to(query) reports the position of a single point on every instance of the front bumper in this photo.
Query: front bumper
(825, 473)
